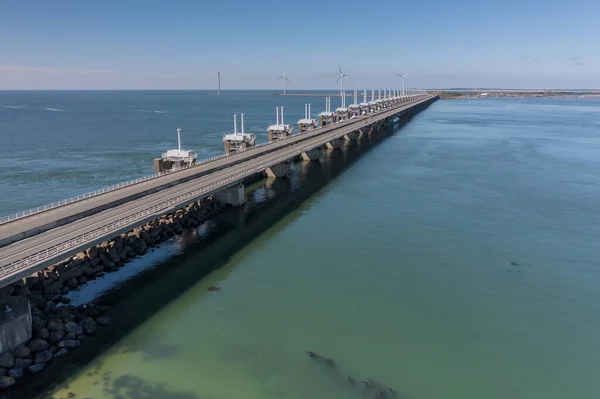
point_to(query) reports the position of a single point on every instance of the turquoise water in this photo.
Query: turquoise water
(456, 259)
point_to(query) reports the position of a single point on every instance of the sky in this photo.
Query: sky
(130, 44)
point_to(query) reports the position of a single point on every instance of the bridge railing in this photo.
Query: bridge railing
(105, 230)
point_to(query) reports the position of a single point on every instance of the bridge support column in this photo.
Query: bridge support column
(352, 136)
(366, 131)
(15, 324)
(335, 143)
(231, 196)
(279, 170)
(312, 155)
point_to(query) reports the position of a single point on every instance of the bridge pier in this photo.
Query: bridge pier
(366, 131)
(279, 170)
(334, 144)
(231, 196)
(312, 155)
(352, 136)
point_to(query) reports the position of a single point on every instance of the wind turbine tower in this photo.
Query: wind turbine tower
(285, 79)
(218, 83)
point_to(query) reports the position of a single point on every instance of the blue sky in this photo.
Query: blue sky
(181, 44)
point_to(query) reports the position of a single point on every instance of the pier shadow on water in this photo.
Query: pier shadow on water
(209, 247)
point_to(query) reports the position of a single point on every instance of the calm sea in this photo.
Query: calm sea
(456, 259)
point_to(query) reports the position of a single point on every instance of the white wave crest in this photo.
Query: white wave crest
(14, 106)
(55, 110)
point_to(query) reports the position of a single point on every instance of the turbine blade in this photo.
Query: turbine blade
(340, 69)
(288, 80)
(338, 79)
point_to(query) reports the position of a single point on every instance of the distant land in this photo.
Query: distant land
(504, 93)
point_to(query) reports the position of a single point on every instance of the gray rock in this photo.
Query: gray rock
(74, 328)
(43, 356)
(103, 320)
(43, 333)
(22, 363)
(7, 360)
(88, 325)
(69, 343)
(38, 345)
(72, 283)
(70, 335)
(15, 373)
(55, 325)
(56, 336)
(49, 308)
(6, 382)
(23, 351)
(3, 371)
(61, 352)
(35, 368)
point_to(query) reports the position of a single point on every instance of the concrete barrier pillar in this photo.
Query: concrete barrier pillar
(15, 322)
(232, 196)
(279, 170)
(312, 155)
(335, 143)
(352, 136)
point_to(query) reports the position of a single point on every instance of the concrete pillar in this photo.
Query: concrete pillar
(312, 155)
(279, 170)
(366, 131)
(232, 196)
(15, 322)
(335, 143)
(352, 136)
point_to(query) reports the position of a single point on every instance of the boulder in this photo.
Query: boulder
(72, 283)
(22, 363)
(43, 333)
(23, 352)
(3, 371)
(69, 343)
(15, 373)
(93, 252)
(73, 328)
(55, 325)
(103, 320)
(35, 368)
(56, 336)
(88, 325)
(88, 271)
(49, 308)
(6, 382)
(82, 280)
(43, 356)
(61, 352)
(22, 291)
(38, 345)
(7, 360)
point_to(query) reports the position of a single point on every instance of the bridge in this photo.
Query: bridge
(32, 240)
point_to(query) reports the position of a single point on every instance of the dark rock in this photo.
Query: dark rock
(99, 274)
(70, 343)
(35, 312)
(6, 382)
(61, 352)
(3, 370)
(22, 363)
(7, 360)
(43, 356)
(22, 352)
(103, 320)
(89, 326)
(68, 318)
(38, 345)
(22, 291)
(35, 368)
(15, 373)
(73, 328)
(72, 283)
(49, 308)
(65, 299)
(92, 312)
(56, 336)
(43, 333)
(18, 284)
(70, 335)
(82, 280)
(55, 325)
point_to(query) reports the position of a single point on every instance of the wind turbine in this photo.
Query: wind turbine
(403, 76)
(341, 78)
(285, 79)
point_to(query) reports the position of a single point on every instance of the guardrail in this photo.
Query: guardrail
(129, 220)
(43, 208)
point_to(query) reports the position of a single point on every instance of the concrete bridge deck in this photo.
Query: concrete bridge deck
(32, 243)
